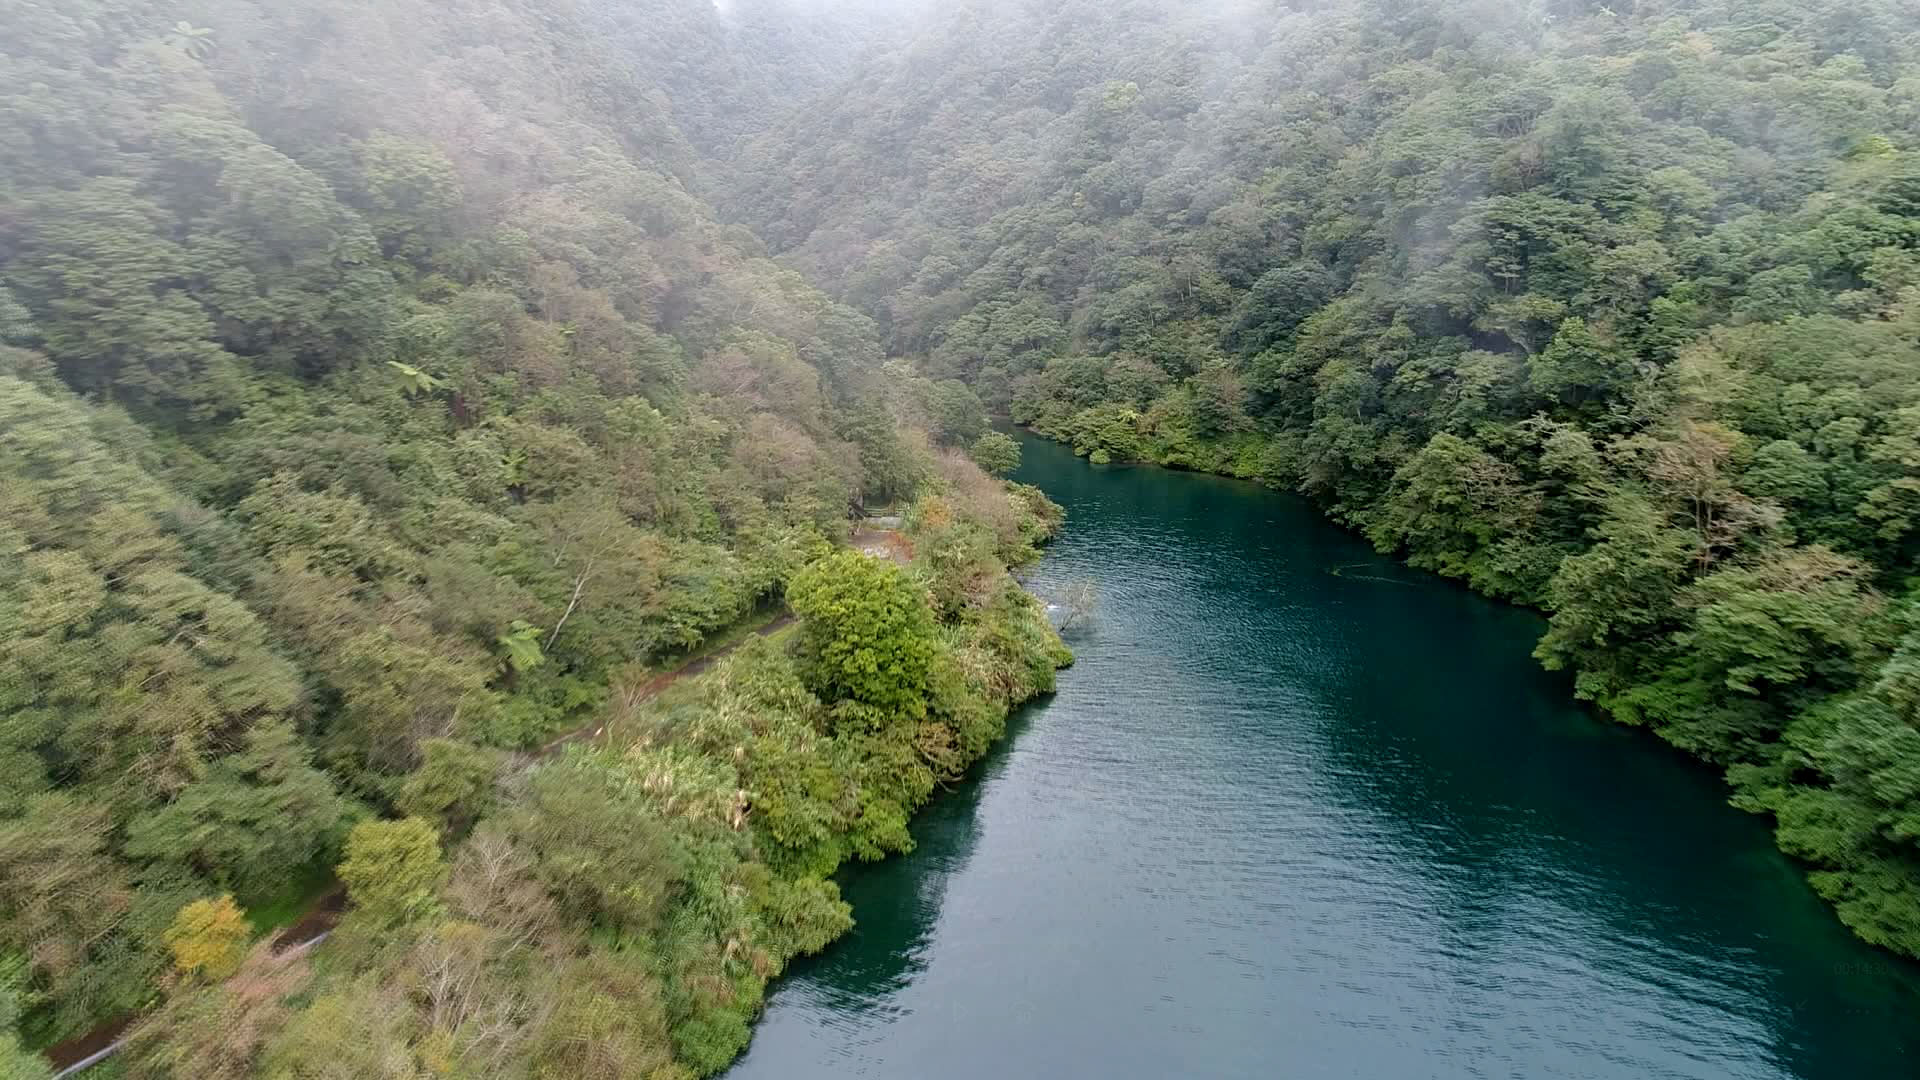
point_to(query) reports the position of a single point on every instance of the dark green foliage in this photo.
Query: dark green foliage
(1606, 309)
(1278, 302)
(996, 453)
(254, 815)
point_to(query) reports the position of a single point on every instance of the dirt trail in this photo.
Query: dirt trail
(319, 920)
(883, 544)
(665, 679)
(325, 914)
(66, 1055)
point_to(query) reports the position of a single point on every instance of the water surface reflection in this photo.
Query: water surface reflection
(1300, 811)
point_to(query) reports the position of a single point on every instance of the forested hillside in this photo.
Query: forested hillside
(379, 404)
(1611, 309)
(393, 393)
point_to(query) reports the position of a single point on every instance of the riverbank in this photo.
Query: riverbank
(1625, 671)
(675, 855)
(1342, 822)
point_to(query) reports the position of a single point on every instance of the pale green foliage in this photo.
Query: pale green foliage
(393, 869)
(360, 1031)
(195, 41)
(521, 643)
(413, 381)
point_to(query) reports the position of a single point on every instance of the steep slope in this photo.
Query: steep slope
(1608, 309)
(377, 403)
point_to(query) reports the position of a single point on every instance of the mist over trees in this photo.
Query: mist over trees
(380, 402)
(1604, 308)
(390, 389)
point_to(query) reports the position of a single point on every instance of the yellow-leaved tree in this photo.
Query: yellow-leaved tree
(209, 938)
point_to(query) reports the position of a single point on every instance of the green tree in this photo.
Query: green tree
(408, 192)
(600, 842)
(15, 1060)
(957, 416)
(1453, 508)
(1613, 602)
(393, 869)
(1764, 638)
(1579, 367)
(454, 784)
(19, 1063)
(867, 635)
(997, 453)
(1276, 305)
(103, 281)
(61, 896)
(256, 814)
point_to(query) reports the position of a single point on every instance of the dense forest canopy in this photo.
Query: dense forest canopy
(390, 389)
(1611, 309)
(380, 402)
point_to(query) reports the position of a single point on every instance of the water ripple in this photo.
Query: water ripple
(1300, 812)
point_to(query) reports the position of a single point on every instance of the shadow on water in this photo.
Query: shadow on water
(1537, 827)
(1300, 806)
(1529, 823)
(897, 901)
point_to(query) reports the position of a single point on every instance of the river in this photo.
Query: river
(1301, 812)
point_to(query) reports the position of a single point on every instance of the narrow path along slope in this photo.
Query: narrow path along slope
(81, 1052)
(696, 666)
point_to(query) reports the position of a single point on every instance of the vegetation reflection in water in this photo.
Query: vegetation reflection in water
(1329, 824)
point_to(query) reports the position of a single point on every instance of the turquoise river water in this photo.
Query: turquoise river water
(1300, 812)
